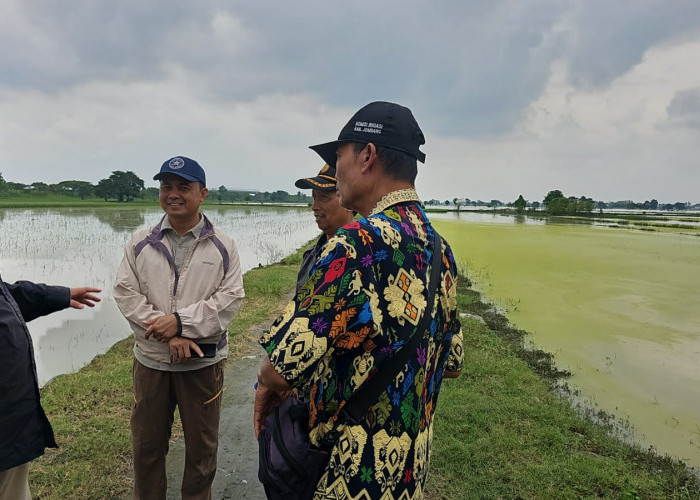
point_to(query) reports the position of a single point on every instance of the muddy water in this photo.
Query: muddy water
(76, 247)
(619, 308)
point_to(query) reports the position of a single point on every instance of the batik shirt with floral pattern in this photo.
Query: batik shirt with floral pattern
(362, 302)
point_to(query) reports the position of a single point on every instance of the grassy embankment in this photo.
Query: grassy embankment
(501, 430)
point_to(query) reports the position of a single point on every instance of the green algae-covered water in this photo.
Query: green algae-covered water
(619, 308)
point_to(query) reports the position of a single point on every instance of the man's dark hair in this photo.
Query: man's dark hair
(397, 164)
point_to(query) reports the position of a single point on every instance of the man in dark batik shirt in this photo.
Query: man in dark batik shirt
(329, 215)
(362, 302)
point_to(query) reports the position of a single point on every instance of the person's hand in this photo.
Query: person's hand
(83, 296)
(266, 400)
(162, 328)
(181, 349)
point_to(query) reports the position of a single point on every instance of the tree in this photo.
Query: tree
(124, 186)
(40, 187)
(558, 206)
(552, 195)
(3, 184)
(105, 189)
(679, 205)
(585, 205)
(222, 192)
(279, 196)
(80, 188)
(15, 186)
(520, 204)
(150, 193)
(457, 202)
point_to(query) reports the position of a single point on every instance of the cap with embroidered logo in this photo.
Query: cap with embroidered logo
(385, 124)
(324, 181)
(183, 167)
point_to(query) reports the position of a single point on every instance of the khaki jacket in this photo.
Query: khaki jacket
(206, 292)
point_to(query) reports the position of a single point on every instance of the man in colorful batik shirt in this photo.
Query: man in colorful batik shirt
(362, 302)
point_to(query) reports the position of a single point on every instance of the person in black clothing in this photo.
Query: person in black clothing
(24, 429)
(329, 215)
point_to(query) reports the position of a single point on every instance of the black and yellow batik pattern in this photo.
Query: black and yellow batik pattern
(363, 301)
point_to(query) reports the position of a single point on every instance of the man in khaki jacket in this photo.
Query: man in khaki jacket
(179, 286)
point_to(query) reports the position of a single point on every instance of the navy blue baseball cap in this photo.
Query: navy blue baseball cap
(183, 167)
(385, 124)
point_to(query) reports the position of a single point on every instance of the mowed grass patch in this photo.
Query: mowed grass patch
(89, 412)
(268, 290)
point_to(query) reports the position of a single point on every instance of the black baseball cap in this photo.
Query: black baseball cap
(184, 167)
(324, 181)
(385, 124)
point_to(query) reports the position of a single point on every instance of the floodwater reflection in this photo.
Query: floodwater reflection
(493, 217)
(77, 247)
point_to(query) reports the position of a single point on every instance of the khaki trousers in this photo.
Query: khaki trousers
(14, 483)
(197, 394)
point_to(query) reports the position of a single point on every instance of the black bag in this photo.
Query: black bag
(290, 466)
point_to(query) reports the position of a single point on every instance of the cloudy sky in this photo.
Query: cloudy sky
(593, 97)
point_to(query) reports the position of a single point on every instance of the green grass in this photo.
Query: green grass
(501, 431)
(89, 411)
(266, 288)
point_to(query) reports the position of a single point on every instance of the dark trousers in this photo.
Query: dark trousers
(197, 394)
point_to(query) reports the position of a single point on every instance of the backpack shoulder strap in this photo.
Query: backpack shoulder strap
(353, 411)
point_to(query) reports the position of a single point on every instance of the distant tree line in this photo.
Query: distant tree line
(555, 203)
(224, 195)
(127, 186)
(120, 186)
(466, 202)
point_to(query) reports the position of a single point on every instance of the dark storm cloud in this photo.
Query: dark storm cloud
(684, 108)
(611, 37)
(558, 86)
(466, 68)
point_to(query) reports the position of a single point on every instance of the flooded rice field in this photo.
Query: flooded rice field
(76, 247)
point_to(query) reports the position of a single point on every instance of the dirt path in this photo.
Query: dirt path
(237, 462)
